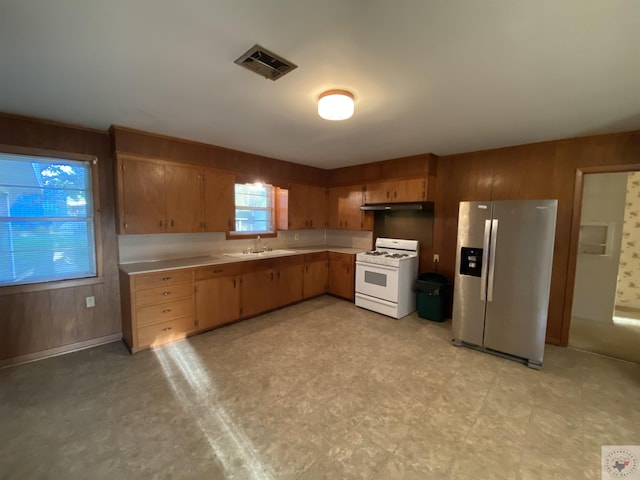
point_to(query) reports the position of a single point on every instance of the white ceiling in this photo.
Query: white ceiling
(441, 76)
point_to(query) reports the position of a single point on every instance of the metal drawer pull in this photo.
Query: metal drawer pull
(165, 293)
(166, 278)
(166, 311)
(217, 271)
(166, 329)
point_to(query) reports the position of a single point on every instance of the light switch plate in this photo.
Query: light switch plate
(90, 302)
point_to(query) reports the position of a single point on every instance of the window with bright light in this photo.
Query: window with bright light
(254, 208)
(46, 220)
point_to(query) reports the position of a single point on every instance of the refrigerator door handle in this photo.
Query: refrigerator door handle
(492, 260)
(485, 259)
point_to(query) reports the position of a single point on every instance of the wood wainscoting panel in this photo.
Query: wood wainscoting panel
(543, 170)
(51, 320)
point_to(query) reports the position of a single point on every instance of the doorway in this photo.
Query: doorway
(605, 315)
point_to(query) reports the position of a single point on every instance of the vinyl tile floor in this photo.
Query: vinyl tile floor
(318, 390)
(617, 337)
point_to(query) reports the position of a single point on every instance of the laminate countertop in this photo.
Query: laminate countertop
(221, 258)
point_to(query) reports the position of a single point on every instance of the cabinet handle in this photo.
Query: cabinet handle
(219, 270)
(166, 310)
(388, 194)
(164, 294)
(160, 223)
(166, 278)
(172, 222)
(272, 276)
(278, 275)
(229, 223)
(234, 283)
(166, 329)
(306, 268)
(311, 223)
(395, 194)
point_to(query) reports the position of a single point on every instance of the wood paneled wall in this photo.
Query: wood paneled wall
(247, 167)
(53, 321)
(536, 171)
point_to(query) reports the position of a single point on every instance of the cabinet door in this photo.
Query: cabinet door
(316, 278)
(342, 278)
(377, 193)
(307, 207)
(217, 301)
(219, 201)
(257, 292)
(412, 190)
(289, 282)
(183, 187)
(344, 208)
(142, 197)
(298, 207)
(316, 202)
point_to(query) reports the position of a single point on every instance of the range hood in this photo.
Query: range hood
(398, 206)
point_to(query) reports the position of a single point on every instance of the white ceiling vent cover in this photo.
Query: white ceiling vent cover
(265, 63)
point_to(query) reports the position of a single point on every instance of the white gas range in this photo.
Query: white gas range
(385, 277)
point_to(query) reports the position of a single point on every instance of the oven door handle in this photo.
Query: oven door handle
(376, 265)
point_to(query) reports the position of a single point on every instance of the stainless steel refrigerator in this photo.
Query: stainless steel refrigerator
(503, 275)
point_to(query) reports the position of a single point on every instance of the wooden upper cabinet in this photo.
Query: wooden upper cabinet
(302, 207)
(396, 191)
(141, 196)
(164, 197)
(219, 201)
(344, 208)
(183, 196)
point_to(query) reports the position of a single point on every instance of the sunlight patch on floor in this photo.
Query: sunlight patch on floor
(192, 386)
(629, 322)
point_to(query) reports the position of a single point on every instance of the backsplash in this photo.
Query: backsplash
(144, 248)
(350, 239)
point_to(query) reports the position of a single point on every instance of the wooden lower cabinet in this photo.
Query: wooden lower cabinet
(272, 283)
(342, 275)
(257, 292)
(156, 307)
(289, 282)
(316, 274)
(217, 295)
(168, 305)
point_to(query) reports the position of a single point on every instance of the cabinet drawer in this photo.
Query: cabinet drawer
(341, 257)
(159, 279)
(164, 311)
(164, 294)
(315, 257)
(164, 332)
(217, 271)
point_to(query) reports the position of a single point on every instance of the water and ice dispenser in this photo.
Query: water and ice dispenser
(471, 261)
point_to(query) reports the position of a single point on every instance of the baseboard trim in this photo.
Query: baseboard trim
(53, 352)
(627, 309)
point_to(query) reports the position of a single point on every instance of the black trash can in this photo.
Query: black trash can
(432, 293)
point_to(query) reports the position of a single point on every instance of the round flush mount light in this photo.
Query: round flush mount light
(335, 105)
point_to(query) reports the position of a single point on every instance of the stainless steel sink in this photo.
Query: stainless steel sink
(270, 253)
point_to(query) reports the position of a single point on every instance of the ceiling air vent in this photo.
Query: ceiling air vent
(265, 63)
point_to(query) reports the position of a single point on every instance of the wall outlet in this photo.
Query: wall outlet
(90, 302)
(296, 237)
(436, 258)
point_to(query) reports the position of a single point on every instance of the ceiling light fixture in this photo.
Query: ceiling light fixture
(335, 105)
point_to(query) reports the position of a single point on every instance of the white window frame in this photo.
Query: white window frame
(269, 209)
(94, 274)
